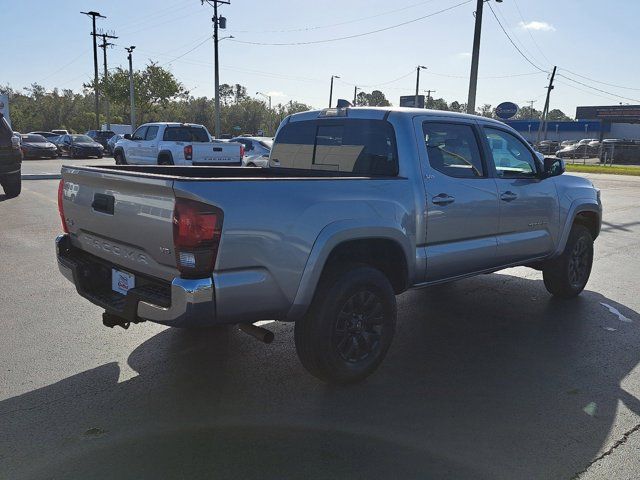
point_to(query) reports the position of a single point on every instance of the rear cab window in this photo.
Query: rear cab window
(359, 146)
(185, 133)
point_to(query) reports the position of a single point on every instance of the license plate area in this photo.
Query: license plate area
(122, 282)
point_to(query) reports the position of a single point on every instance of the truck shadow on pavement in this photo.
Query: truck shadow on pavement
(487, 378)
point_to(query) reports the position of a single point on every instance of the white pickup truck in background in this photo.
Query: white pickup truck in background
(167, 143)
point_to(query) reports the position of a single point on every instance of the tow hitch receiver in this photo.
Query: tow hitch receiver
(110, 320)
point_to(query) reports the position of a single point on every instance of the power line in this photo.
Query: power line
(512, 42)
(515, 36)
(530, 34)
(597, 89)
(208, 37)
(602, 83)
(346, 37)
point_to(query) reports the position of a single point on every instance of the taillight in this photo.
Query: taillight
(197, 228)
(60, 207)
(188, 152)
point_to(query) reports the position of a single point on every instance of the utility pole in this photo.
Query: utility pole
(355, 95)
(218, 22)
(131, 97)
(331, 89)
(93, 16)
(418, 68)
(545, 111)
(531, 102)
(429, 92)
(475, 58)
(104, 46)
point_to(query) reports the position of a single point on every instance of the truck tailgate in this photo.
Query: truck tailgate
(124, 219)
(217, 153)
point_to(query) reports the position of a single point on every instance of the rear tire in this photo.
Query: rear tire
(12, 185)
(165, 160)
(567, 275)
(349, 328)
(119, 158)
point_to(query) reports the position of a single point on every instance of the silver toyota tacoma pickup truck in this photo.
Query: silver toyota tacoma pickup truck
(358, 205)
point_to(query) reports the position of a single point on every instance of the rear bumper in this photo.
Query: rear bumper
(181, 303)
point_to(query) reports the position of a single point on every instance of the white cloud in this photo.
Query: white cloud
(276, 94)
(539, 26)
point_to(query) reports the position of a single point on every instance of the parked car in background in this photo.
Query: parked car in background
(567, 143)
(111, 144)
(167, 143)
(586, 141)
(578, 150)
(60, 132)
(615, 150)
(256, 150)
(36, 146)
(548, 147)
(51, 136)
(10, 160)
(79, 146)
(358, 205)
(101, 136)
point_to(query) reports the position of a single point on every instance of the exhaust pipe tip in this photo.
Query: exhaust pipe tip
(259, 333)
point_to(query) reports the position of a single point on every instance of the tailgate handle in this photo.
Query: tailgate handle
(103, 203)
(217, 149)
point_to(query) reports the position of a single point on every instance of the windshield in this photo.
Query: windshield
(34, 138)
(106, 135)
(81, 138)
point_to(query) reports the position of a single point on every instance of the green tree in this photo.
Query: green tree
(486, 110)
(374, 99)
(154, 88)
(557, 115)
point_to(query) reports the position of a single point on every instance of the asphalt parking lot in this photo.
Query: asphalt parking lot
(487, 378)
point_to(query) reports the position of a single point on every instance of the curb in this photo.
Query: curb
(41, 176)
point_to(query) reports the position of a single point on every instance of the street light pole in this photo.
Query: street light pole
(265, 96)
(93, 16)
(331, 89)
(475, 58)
(131, 97)
(418, 68)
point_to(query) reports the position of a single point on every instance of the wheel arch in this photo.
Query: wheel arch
(385, 247)
(585, 212)
(165, 154)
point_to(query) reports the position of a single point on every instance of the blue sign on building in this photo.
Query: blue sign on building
(506, 110)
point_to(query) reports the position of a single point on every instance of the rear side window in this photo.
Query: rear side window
(185, 134)
(363, 147)
(152, 131)
(453, 149)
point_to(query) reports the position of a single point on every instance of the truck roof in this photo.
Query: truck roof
(381, 112)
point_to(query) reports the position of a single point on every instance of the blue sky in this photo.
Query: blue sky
(589, 40)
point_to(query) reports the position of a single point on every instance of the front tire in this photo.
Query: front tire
(12, 185)
(119, 158)
(567, 275)
(349, 328)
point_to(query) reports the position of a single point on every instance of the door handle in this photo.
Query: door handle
(508, 196)
(443, 199)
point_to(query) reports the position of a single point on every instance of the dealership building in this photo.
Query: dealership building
(614, 121)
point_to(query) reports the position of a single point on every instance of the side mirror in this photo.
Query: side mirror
(127, 136)
(553, 166)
